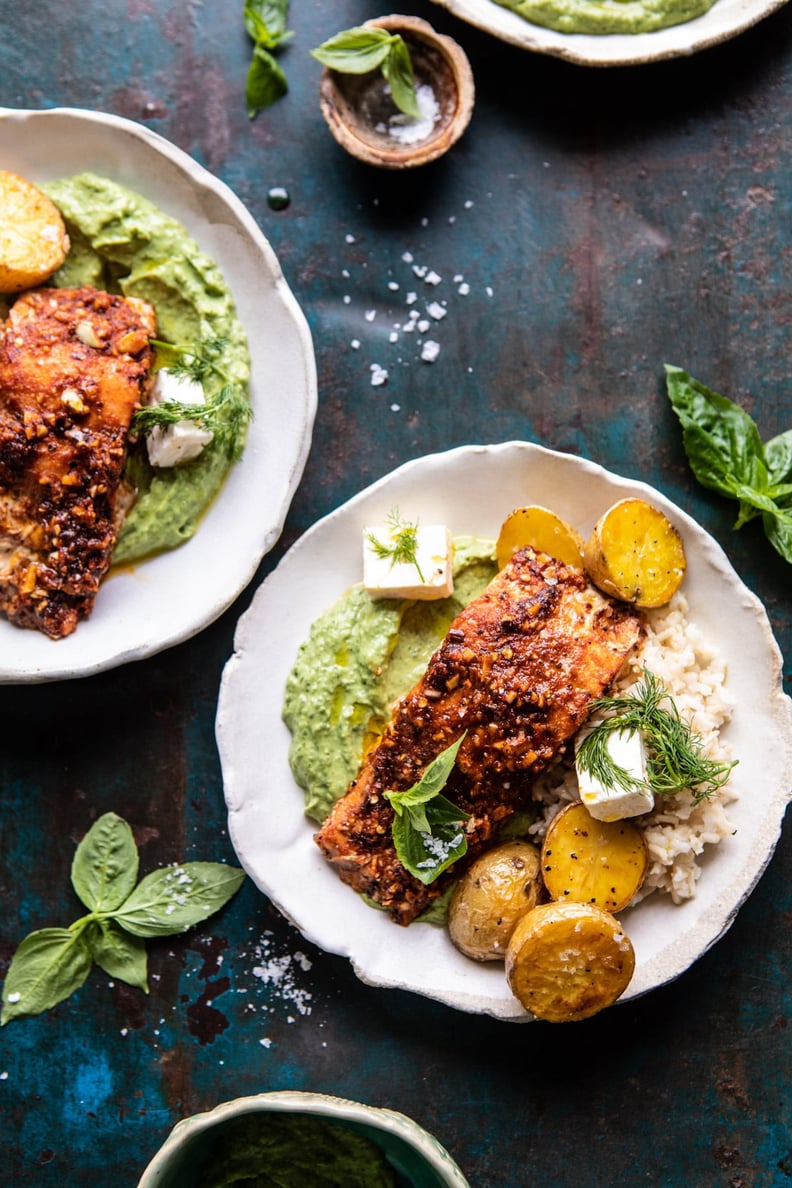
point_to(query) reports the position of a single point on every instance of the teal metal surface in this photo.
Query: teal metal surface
(606, 221)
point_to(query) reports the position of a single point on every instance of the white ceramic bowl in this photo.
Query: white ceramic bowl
(471, 490)
(160, 602)
(726, 19)
(416, 1156)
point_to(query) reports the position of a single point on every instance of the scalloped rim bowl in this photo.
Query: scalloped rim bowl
(471, 490)
(145, 608)
(411, 1150)
(726, 19)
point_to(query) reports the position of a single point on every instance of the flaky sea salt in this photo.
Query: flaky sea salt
(407, 129)
(379, 375)
(430, 350)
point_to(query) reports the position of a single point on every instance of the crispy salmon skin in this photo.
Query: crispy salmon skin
(75, 364)
(517, 671)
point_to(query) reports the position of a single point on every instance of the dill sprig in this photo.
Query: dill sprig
(675, 754)
(224, 414)
(404, 546)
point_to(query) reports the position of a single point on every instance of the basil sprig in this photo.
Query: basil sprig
(727, 454)
(428, 830)
(366, 48)
(265, 21)
(51, 963)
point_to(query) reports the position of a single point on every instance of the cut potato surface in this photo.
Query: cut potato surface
(538, 528)
(587, 861)
(636, 554)
(33, 239)
(567, 961)
(489, 899)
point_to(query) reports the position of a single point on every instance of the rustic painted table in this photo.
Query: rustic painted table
(606, 221)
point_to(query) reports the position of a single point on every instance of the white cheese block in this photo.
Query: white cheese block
(431, 577)
(169, 445)
(626, 749)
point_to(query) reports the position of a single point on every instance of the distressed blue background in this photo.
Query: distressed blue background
(622, 218)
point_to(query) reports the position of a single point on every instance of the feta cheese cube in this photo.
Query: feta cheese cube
(429, 576)
(169, 445)
(626, 749)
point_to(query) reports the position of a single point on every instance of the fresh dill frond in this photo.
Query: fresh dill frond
(404, 542)
(225, 414)
(675, 753)
(191, 362)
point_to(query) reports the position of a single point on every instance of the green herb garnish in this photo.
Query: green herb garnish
(675, 758)
(226, 414)
(428, 830)
(52, 963)
(366, 48)
(265, 21)
(404, 542)
(726, 454)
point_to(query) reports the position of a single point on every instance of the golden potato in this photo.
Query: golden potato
(33, 239)
(491, 896)
(542, 530)
(589, 861)
(636, 554)
(567, 961)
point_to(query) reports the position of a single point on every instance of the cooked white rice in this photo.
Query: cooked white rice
(678, 829)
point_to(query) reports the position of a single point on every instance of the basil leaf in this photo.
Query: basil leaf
(176, 897)
(265, 21)
(427, 828)
(266, 81)
(118, 953)
(426, 853)
(48, 966)
(355, 51)
(434, 779)
(721, 440)
(105, 865)
(778, 530)
(778, 455)
(398, 72)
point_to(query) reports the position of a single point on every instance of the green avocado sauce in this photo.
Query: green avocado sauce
(607, 16)
(291, 1151)
(361, 655)
(122, 243)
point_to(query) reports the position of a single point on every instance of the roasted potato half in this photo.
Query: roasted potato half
(589, 861)
(542, 530)
(489, 899)
(567, 961)
(33, 239)
(636, 554)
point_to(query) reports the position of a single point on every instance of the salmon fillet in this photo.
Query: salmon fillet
(75, 364)
(518, 671)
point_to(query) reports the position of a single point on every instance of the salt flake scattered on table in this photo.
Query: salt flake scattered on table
(370, 315)
(433, 278)
(379, 375)
(430, 350)
(436, 310)
(355, 344)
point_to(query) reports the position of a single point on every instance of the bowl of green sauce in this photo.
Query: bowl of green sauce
(291, 1139)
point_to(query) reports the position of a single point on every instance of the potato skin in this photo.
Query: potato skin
(568, 961)
(33, 239)
(488, 900)
(589, 861)
(635, 554)
(542, 530)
